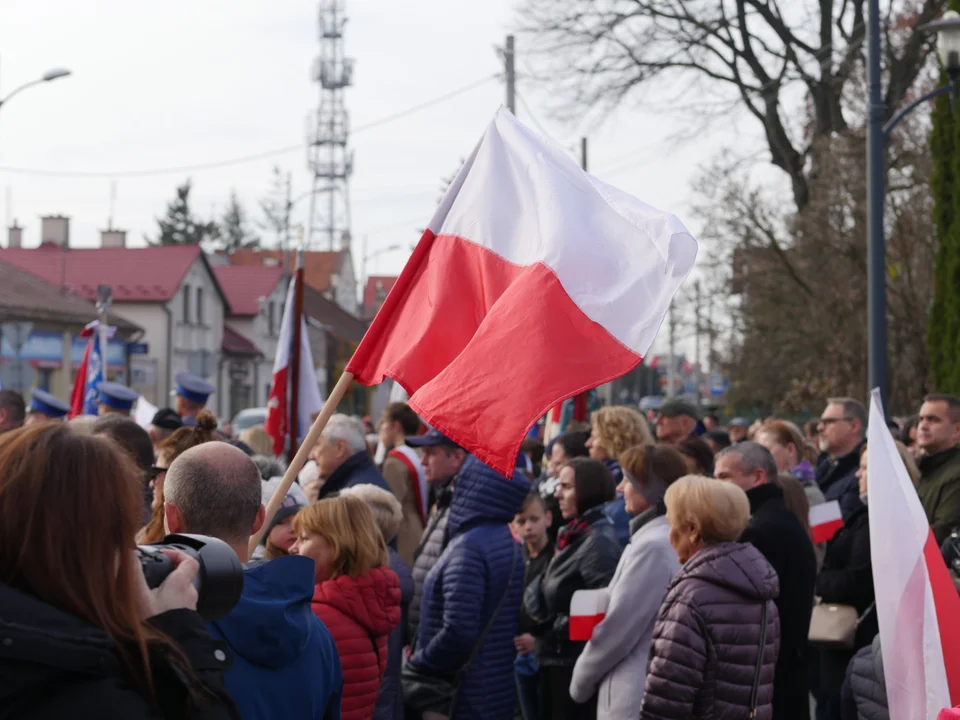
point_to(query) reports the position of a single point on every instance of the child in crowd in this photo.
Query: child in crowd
(531, 525)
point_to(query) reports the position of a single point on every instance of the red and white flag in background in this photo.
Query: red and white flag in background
(825, 520)
(533, 282)
(917, 605)
(310, 402)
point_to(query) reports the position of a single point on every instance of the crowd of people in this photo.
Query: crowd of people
(404, 578)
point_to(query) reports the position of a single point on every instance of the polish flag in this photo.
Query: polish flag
(588, 608)
(533, 282)
(917, 605)
(278, 405)
(825, 520)
(79, 393)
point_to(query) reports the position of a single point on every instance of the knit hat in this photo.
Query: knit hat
(291, 505)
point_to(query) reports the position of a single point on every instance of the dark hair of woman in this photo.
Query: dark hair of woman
(170, 449)
(698, 451)
(592, 483)
(574, 444)
(84, 497)
(660, 461)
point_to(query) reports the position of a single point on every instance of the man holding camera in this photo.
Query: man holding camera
(286, 663)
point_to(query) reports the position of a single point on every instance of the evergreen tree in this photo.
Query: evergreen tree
(943, 333)
(180, 227)
(234, 233)
(276, 209)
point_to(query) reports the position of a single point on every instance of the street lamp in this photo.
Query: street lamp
(948, 46)
(48, 76)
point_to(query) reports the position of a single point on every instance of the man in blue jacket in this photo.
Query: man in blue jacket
(286, 664)
(477, 582)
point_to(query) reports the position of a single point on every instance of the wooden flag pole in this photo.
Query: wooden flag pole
(328, 409)
(294, 422)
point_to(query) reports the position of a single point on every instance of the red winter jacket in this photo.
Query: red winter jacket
(358, 613)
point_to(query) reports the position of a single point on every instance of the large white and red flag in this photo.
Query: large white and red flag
(310, 401)
(917, 604)
(533, 282)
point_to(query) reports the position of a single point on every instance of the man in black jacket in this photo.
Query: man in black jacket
(777, 533)
(842, 430)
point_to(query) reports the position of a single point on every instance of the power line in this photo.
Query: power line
(238, 160)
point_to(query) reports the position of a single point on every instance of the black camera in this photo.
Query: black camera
(220, 580)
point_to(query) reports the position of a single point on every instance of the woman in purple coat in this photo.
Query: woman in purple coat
(717, 634)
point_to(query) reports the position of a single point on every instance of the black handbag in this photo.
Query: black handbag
(424, 691)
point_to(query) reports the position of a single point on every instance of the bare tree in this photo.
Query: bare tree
(601, 53)
(795, 283)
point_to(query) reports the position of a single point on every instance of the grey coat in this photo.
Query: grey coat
(865, 675)
(431, 547)
(614, 662)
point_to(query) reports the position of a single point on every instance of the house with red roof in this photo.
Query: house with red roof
(255, 296)
(330, 273)
(375, 291)
(170, 292)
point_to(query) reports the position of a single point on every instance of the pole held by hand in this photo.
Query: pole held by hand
(328, 409)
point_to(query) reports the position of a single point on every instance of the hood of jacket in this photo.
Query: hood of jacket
(737, 566)
(482, 495)
(371, 600)
(271, 625)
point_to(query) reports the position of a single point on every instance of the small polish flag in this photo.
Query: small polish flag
(588, 608)
(278, 404)
(825, 520)
(918, 608)
(527, 258)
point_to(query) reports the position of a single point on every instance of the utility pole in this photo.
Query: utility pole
(508, 60)
(583, 153)
(696, 364)
(876, 246)
(672, 357)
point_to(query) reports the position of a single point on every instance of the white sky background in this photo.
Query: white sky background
(178, 83)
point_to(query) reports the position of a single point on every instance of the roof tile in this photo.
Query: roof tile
(151, 274)
(245, 285)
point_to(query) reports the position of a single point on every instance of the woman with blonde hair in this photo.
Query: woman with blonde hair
(258, 439)
(357, 595)
(170, 449)
(717, 634)
(785, 442)
(612, 431)
(388, 515)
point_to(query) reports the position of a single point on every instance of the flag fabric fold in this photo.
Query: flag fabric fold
(278, 405)
(533, 282)
(918, 608)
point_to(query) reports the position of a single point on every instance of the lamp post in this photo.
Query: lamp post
(948, 47)
(48, 76)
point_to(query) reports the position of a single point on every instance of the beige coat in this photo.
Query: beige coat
(411, 527)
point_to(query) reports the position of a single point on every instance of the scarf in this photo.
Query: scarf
(578, 527)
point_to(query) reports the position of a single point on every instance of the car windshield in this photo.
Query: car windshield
(248, 418)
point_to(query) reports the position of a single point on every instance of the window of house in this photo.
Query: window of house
(43, 378)
(199, 306)
(268, 311)
(186, 304)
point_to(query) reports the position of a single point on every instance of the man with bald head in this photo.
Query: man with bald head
(215, 489)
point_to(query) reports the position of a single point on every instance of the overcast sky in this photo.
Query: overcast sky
(181, 83)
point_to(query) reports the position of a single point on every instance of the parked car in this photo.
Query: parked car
(247, 419)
